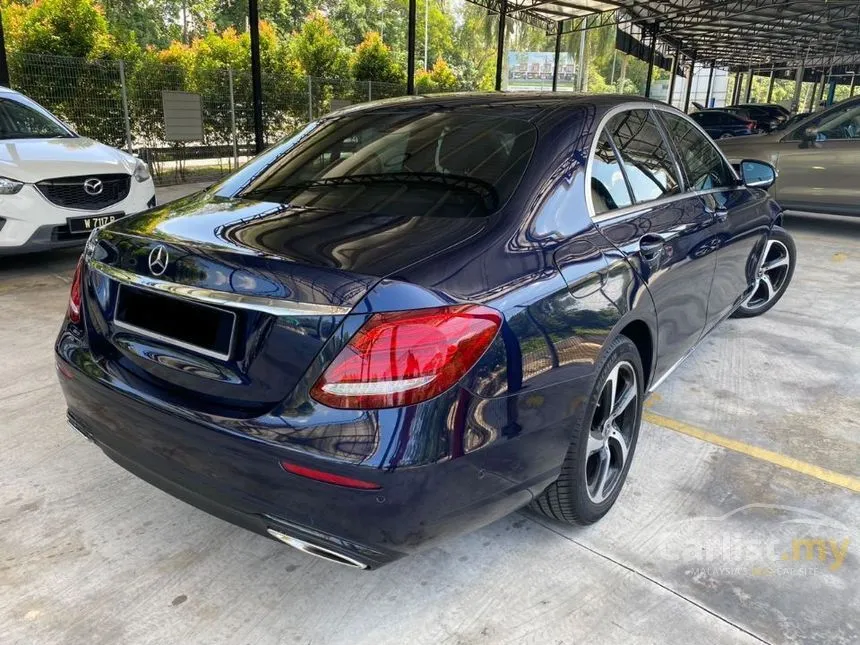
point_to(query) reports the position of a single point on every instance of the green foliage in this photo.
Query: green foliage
(353, 19)
(373, 61)
(284, 15)
(440, 78)
(318, 50)
(142, 23)
(75, 28)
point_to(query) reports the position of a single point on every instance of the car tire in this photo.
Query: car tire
(774, 274)
(577, 496)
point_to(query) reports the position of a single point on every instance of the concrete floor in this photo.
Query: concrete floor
(698, 549)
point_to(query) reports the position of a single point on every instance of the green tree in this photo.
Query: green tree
(318, 50)
(353, 19)
(440, 78)
(143, 21)
(62, 28)
(373, 61)
(285, 15)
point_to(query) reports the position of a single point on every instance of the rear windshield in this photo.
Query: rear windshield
(407, 163)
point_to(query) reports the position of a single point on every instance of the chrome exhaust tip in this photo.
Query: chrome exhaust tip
(318, 551)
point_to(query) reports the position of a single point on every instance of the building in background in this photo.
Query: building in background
(719, 89)
(533, 70)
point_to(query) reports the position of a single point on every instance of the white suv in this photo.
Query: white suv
(55, 186)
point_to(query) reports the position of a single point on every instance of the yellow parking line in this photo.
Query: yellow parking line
(829, 476)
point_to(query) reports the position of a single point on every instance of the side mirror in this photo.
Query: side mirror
(757, 174)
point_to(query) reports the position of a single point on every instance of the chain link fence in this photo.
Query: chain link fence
(120, 103)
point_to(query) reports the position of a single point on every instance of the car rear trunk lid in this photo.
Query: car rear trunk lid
(225, 310)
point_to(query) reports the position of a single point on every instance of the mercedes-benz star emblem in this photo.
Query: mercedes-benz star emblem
(93, 186)
(158, 259)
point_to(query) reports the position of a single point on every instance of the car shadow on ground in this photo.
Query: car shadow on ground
(41, 263)
(815, 224)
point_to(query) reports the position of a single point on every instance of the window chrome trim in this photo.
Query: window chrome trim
(274, 306)
(635, 209)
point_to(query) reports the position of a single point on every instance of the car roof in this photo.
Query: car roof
(527, 105)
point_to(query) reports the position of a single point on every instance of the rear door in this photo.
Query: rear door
(740, 217)
(823, 177)
(664, 232)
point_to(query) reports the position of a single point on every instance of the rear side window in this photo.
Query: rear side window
(608, 187)
(707, 118)
(704, 165)
(408, 163)
(646, 159)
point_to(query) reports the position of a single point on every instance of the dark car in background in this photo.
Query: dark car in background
(767, 116)
(416, 316)
(720, 124)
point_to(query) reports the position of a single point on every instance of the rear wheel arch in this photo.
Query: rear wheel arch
(640, 334)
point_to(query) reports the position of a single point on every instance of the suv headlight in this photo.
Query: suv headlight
(9, 186)
(141, 172)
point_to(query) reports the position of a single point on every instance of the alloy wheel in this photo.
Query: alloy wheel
(771, 275)
(611, 432)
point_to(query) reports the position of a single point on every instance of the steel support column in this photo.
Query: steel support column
(749, 86)
(674, 75)
(256, 74)
(710, 85)
(811, 101)
(798, 86)
(770, 84)
(500, 47)
(653, 49)
(831, 91)
(581, 77)
(820, 91)
(690, 76)
(410, 47)
(853, 83)
(4, 66)
(557, 56)
(736, 91)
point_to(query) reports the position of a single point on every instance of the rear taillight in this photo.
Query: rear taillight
(402, 358)
(75, 295)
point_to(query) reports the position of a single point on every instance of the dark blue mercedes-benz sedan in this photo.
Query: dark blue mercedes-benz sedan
(416, 316)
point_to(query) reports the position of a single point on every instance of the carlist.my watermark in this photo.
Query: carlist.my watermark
(759, 540)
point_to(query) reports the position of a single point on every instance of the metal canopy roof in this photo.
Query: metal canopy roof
(733, 33)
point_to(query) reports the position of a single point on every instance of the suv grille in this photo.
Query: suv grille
(70, 192)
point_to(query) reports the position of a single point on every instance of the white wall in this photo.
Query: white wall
(719, 86)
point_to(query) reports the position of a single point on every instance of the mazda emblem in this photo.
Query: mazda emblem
(158, 259)
(93, 186)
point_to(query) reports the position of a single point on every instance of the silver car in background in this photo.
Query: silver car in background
(817, 158)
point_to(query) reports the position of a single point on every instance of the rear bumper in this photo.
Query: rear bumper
(238, 477)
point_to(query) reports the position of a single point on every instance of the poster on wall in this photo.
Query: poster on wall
(537, 66)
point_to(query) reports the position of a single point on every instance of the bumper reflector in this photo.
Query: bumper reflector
(328, 478)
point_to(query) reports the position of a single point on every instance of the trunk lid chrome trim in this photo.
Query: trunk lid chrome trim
(274, 306)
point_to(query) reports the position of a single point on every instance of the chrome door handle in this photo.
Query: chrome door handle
(718, 214)
(651, 247)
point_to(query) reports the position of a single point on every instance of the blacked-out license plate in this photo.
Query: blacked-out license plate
(87, 224)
